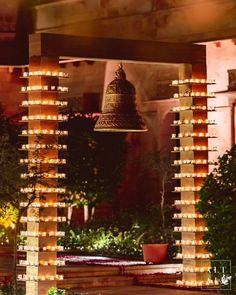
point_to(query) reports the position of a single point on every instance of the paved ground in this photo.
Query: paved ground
(139, 290)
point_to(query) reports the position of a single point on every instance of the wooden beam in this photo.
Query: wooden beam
(185, 21)
(115, 49)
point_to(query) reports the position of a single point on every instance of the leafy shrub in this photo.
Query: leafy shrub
(8, 289)
(5, 237)
(101, 241)
(218, 206)
(119, 237)
(55, 291)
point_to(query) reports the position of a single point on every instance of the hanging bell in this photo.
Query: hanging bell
(119, 113)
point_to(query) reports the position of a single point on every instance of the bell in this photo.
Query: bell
(119, 113)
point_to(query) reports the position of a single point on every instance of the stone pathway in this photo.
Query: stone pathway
(140, 290)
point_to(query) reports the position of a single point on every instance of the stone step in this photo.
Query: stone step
(81, 276)
(158, 278)
(151, 268)
(88, 271)
(94, 282)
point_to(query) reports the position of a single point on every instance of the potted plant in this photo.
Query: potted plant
(156, 239)
(158, 236)
(155, 253)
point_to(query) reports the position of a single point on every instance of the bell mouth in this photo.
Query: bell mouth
(120, 122)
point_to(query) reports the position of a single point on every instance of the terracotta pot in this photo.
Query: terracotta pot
(156, 253)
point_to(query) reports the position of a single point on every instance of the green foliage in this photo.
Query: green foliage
(8, 289)
(107, 242)
(10, 185)
(55, 291)
(10, 170)
(6, 236)
(10, 181)
(218, 206)
(119, 237)
(8, 215)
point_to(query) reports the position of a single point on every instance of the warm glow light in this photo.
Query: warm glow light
(43, 88)
(196, 283)
(43, 175)
(193, 81)
(190, 228)
(42, 234)
(190, 175)
(192, 100)
(192, 256)
(193, 108)
(46, 102)
(193, 134)
(45, 117)
(193, 121)
(42, 224)
(44, 132)
(42, 219)
(44, 205)
(186, 215)
(44, 248)
(191, 162)
(194, 94)
(194, 269)
(186, 202)
(39, 278)
(45, 73)
(43, 161)
(187, 188)
(42, 263)
(42, 190)
(43, 146)
(194, 148)
(190, 243)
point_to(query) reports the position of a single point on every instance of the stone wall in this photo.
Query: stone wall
(84, 78)
(221, 58)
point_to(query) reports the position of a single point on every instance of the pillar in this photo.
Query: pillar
(42, 152)
(192, 149)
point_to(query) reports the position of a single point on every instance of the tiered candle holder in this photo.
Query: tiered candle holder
(43, 157)
(192, 147)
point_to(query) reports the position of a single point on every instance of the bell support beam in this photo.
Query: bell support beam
(115, 49)
(192, 60)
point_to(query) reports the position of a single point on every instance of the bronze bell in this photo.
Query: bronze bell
(119, 113)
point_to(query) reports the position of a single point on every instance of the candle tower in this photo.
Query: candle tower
(193, 148)
(43, 150)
